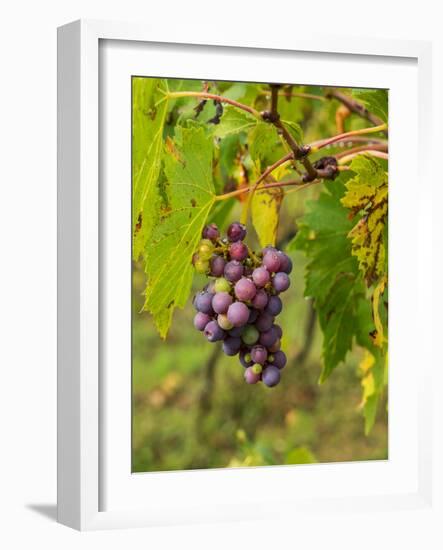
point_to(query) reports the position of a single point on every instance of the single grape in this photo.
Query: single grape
(271, 376)
(274, 306)
(245, 289)
(203, 302)
(213, 332)
(250, 335)
(217, 266)
(275, 347)
(233, 271)
(279, 359)
(245, 358)
(271, 261)
(253, 314)
(264, 322)
(231, 346)
(236, 232)
(236, 331)
(285, 262)
(279, 330)
(221, 301)
(201, 320)
(281, 282)
(269, 337)
(261, 276)
(238, 314)
(224, 323)
(259, 354)
(222, 285)
(257, 368)
(201, 266)
(260, 300)
(205, 249)
(211, 232)
(251, 377)
(238, 251)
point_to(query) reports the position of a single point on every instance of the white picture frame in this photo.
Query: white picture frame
(96, 491)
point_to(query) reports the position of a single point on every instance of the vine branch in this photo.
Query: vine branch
(354, 106)
(216, 97)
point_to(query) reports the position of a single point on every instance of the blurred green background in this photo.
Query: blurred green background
(192, 408)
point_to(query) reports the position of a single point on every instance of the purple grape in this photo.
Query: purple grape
(211, 232)
(224, 322)
(233, 271)
(260, 300)
(213, 332)
(264, 322)
(261, 276)
(274, 306)
(203, 302)
(251, 377)
(285, 262)
(245, 289)
(281, 282)
(201, 320)
(221, 301)
(279, 330)
(231, 346)
(271, 376)
(271, 261)
(275, 347)
(217, 266)
(253, 314)
(279, 359)
(236, 331)
(238, 314)
(269, 338)
(238, 251)
(245, 358)
(259, 354)
(236, 232)
(250, 335)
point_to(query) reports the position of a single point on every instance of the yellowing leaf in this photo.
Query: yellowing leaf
(378, 336)
(367, 192)
(265, 210)
(190, 196)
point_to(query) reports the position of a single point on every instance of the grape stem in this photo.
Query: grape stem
(383, 147)
(340, 137)
(374, 153)
(216, 97)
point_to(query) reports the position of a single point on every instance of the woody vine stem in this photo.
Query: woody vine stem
(326, 168)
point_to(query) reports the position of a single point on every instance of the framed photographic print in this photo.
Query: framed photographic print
(232, 277)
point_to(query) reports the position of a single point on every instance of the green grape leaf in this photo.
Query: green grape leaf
(148, 119)
(332, 275)
(323, 235)
(262, 141)
(367, 194)
(265, 210)
(295, 130)
(190, 196)
(376, 101)
(234, 121)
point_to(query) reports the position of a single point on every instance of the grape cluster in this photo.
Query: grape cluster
(239, 305)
